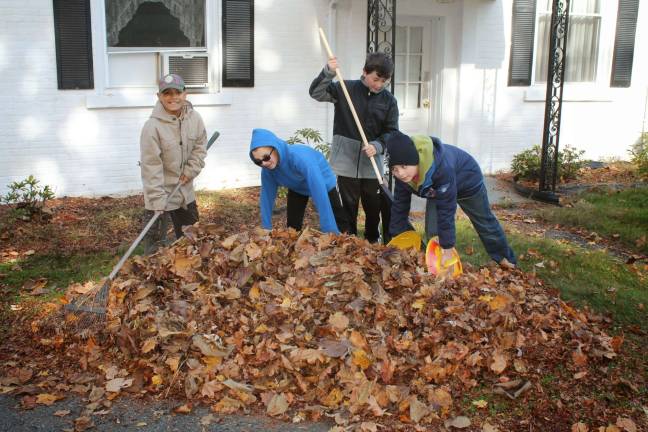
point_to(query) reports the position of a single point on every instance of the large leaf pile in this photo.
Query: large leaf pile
(309, 323)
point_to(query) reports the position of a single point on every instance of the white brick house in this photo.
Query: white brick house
(456, 85)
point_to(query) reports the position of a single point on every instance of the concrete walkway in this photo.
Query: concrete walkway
(499, 192)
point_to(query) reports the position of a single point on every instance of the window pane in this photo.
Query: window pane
(413, 95)
(416, 40)
(165, 23)
(582, 48)
(133, 70)
(585, 6)
(401, 39)
(399, 93)
(414, 68)
(541, 55)
(399, 67)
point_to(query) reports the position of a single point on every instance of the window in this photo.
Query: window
(409, 61)
(600, 42)
(159, 24)
(582, 40)
(146, 39)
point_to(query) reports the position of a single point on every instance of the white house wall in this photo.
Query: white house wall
(498, 121)
(79, 151)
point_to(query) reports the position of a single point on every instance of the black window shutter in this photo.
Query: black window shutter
(73, 44)
(624, 43)
(238, 43)
(522, 31)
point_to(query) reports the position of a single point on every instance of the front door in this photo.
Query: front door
(417, 85)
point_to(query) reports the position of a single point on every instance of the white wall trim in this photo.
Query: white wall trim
(588, 93)
(148, 101)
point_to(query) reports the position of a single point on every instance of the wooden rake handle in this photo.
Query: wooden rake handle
(353, 111)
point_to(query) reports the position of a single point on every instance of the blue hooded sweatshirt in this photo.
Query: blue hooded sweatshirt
(453, 174)
(300, 169)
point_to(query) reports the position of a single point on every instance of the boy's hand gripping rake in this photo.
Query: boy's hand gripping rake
(92, 308)
(379, 177)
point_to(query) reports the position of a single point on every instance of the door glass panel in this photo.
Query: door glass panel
(401, 39)
(416, 40)
(400, 65)
(413, 95)
(414, 68)
(399, 93)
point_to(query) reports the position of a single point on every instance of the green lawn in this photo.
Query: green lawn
(587, 277)
(623, 214)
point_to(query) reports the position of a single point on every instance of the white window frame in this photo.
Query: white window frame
(144, 96)
(597, 90)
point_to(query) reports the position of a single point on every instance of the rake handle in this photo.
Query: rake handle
(353, 110)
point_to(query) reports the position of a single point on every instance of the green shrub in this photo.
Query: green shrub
(639, 153)
(27, 197)
(526, 165)
(311, 136)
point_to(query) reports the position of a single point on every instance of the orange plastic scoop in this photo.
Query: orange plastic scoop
(433, 255)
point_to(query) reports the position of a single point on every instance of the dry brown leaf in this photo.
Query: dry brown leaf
(626, 424)
(115, 385)
(499, 362)
(149, 345)
(417, 410)
(487, 427)
(277, 405)
(459, 422)
(579, 427)
(183, 409)
(47, 398)
(339, 321)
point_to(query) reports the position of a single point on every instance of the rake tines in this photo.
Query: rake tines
(90, 310)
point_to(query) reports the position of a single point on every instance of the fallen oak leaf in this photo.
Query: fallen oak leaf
(626, 424)
(115, 385)
(460, 422)
(277, 405)
(47, 398)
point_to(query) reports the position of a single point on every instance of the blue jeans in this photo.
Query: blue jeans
(482, 218)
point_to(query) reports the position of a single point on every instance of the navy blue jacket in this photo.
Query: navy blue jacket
(300, 169)
(453, 175)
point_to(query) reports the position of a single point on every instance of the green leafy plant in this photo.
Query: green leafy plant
(28, 197)
(311, 137)
(639, 153)
(526, 165)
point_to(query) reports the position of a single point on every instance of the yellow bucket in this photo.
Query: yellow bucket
(405, 240)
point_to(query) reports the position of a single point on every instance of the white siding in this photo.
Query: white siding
(80, 151)
(50, 133)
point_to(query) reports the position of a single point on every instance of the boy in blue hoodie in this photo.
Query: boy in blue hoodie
(446, 175)
(306, 173)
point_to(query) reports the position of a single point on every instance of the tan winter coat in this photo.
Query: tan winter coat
(171, 146)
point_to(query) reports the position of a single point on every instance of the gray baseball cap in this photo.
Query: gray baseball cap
(171, 81)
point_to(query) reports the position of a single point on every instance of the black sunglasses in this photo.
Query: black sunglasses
(265, 158)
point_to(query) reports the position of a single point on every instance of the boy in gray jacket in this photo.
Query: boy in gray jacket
(173, 146)
(378, 112)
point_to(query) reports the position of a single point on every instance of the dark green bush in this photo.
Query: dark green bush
(311, 136)
(27, 197)
(526, 165)
(639, 153)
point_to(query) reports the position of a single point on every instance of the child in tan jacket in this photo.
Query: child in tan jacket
(173, 146)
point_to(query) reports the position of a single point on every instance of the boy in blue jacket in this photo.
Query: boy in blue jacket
(446, 175)
(306, 173)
